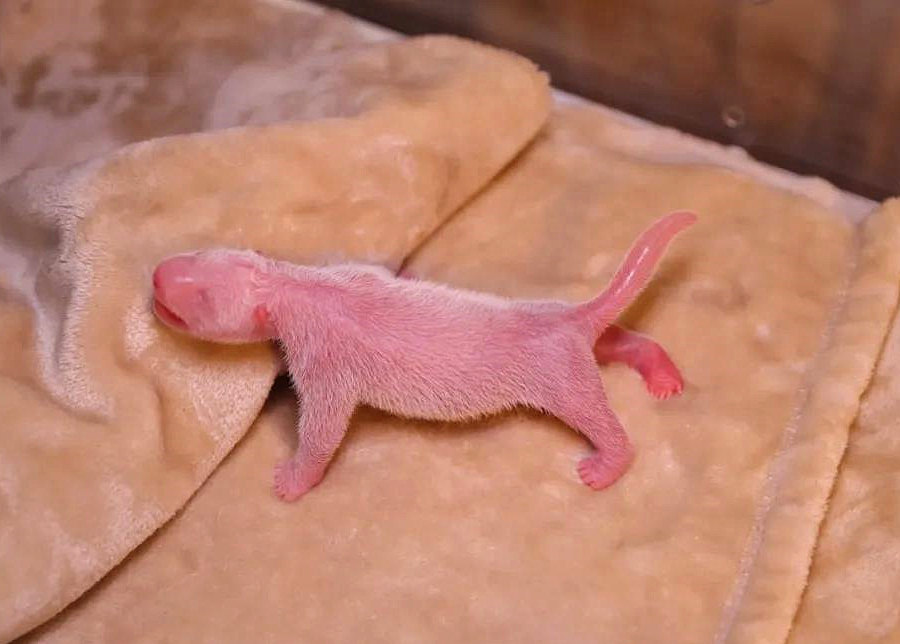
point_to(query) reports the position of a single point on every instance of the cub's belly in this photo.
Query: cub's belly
(457, 374)
(445, 396)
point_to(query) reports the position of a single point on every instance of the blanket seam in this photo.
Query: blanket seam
(893, 319)
(777, 471)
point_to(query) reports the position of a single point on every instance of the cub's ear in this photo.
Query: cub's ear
(261, 318)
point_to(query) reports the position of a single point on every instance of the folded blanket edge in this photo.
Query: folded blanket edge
(780, 548)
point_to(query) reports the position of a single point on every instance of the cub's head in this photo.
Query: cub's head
(216, 295)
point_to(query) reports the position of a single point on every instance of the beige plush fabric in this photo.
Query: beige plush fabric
(854, 583)
(109, 422)
(774, 306)
(775, 309)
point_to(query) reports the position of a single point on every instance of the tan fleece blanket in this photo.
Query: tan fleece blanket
(290, 135)
(111, 423)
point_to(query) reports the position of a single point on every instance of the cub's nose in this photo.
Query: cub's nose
(174, 272)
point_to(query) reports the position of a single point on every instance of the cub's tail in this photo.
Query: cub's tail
(634, 273)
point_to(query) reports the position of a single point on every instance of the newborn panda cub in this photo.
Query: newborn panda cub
(355, 334)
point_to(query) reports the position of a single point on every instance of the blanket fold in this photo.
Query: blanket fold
(111, 422)
(486, 524)
(135, 464)
(854, 581)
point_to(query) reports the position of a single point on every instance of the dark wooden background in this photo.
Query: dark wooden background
(809, 85)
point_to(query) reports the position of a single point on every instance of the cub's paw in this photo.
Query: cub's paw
(598, 472)
(663, 384)
(291, 482)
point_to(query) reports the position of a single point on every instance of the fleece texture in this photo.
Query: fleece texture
(135, 504)
(110, 423)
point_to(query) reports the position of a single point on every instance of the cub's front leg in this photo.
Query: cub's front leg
(326, 405)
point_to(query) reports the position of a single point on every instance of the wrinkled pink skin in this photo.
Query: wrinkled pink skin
(356, 334)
